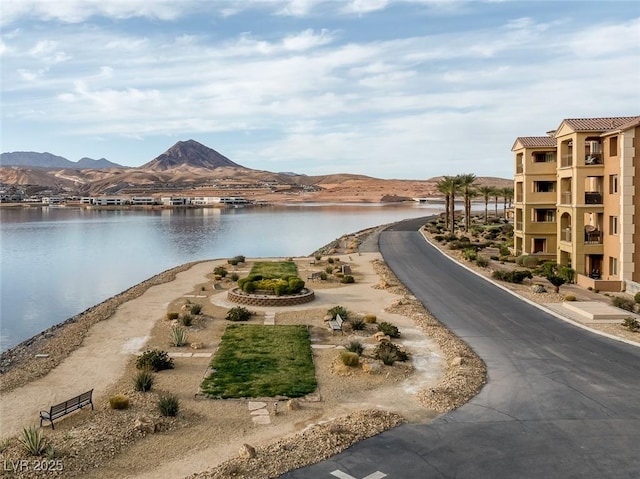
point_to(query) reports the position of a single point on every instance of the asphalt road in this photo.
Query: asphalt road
(560, 402)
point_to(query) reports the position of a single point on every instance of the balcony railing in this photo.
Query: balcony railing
(565, 198)
(519, 198)
(593, 159)
(592, 198)
(593, 237)
(565, 235)
(567, 160)
(519, 169)
(518, 225)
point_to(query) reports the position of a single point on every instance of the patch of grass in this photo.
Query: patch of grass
(274, 269)
(262, 361)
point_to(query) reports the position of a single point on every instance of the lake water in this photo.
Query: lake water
(57, 262)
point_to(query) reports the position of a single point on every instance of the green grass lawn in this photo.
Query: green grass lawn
(262, 361)
(274, 269)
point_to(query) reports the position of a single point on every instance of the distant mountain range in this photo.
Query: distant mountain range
(32, 159)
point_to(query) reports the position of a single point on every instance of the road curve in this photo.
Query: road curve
(560, 402)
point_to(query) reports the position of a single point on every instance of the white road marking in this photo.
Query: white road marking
(343, 475)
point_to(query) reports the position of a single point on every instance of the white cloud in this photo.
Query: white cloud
(307, 40)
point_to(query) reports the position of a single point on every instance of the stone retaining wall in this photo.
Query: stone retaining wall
(237, 296)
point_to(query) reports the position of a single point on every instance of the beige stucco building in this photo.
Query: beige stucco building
(577, 198)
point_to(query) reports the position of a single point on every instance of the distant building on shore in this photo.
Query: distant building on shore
(577, 201)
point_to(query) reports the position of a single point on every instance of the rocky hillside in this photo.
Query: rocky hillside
(190, 153)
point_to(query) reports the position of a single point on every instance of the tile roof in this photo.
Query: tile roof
(536, 141)
(597, 124)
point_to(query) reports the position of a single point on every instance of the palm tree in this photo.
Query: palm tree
(507, 197)
(449, 185)
(486, 192)
(466, 181)
(443, 187)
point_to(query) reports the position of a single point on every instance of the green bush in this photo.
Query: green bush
(482, 261)
(631, 324)
(530, 261)
(516, 276)
(504, 251)
(234, 276)
(119, 401)
(248, 287)
(389, 329)
(143, 381)
(349, 359)
(331, 260)
(355, 347)
(317, 257)
(494, 257)
(470, 254)
(220, 271)
(569, 297)
(238, 313)
(348, 279)
(178, 336)
(389, 353)
(168, 405)
(186, 319)
(172, 316)
(623, 303)
(295, 285)
(520, 259)
(637, 297)
(195, 309)
(32, 441)
(329, 269)
(342, 311)
(155, 360)
(357, 324)
(323, 276)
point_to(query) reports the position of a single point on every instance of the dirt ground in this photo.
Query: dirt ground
(208, 432)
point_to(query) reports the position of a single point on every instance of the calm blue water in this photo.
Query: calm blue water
(57, 262)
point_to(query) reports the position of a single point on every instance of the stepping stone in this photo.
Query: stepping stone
(260, 412)
(324, 346)
(270, 318)
(202, 355)
(254, 405)
(261, 420)
(180, 355)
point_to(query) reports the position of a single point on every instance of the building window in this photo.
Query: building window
(613, 184)
(544, 215)
(544, 186)
(613, 225)
(539, 245)
(613, 266)
(544, 157)
(613, 146)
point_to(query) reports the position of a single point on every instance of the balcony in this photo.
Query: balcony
(519, 169)
(518, 225)
(567, 160)
(565, 198)
(565, 235)
(593, 237)
(592, 198)
(519, 198)
(593, 159)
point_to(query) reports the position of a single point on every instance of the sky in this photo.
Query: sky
(406, 89)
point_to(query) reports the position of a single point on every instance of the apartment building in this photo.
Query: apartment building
(576, 200)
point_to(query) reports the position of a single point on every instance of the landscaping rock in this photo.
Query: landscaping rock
(293, 405)
(247, 451)
(372, 368)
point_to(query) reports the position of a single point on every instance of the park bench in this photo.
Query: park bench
(315, 276)
(58, 410)
(336, 324)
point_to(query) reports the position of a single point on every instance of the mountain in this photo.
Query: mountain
(97, 164)
(189, 153)
(32, 159)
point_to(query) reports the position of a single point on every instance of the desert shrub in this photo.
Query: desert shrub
(347, 279)
(520, 259)
(196, 309)
(234, 276)
(178, 336)
(570, 297)
(168, 405)
(355, 347)
(516, 276)
(389, 353)
(238, 313)
(349, 359)
(482, 261)
(494, 257)
(295, 285)
(119, 401)
(172, 316)
(323, 276)
(389, 329)
(342, 311)
(370, 318)
(623, 303)
(470, 254)
(504, 251)
(596, 290)
(220, 271)
(331, 260)
(538, 288)
(32, 441)
(637, 297)
(530, 261)
(186, 319)
(240, 258)
(566, 273)
(155, 360)
(232, 261)
(357, 324)
(248, 287)
(143, 381)
(631, 324)
(439, 238)
(329, 269)
(317, 257)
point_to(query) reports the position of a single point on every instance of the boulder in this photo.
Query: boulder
(458, 361)
(144, 425)
(247, 451)
(372, 368)
(197, 345)
(381, 337)
(293, 405)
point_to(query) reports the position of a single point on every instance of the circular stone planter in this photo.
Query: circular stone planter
(238, 296)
